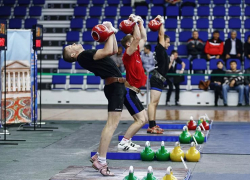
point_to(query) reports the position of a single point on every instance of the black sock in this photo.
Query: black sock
(152, 124)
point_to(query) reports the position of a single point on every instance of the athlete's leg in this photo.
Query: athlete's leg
(154, 100)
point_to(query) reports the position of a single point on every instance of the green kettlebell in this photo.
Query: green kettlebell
(199, 136)
(185, 136)
(131, 175)
(147, 153)
(162, 154)
(150, 175)
(201, 119)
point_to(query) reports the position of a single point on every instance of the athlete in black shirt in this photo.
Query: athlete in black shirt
(99, 62)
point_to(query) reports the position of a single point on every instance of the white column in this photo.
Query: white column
(23, 88)
(19, 81)
(28, 81)
(8, 81)
(14, 81)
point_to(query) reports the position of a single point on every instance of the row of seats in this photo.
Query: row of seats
(23, 2)
(21, 11)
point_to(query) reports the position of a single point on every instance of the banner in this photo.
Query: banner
(18, 76)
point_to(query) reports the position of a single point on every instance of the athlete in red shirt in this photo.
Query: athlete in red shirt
(136, 78)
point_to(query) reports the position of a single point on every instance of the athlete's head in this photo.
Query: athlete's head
(127, 40)
(166, 41)
(71, 52)
(147, 48)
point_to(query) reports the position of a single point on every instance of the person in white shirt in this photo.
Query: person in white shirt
(147, 58)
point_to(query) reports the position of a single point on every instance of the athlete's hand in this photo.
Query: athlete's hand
(132, 17)
(108, 24)
(160, 18)
(139, 19)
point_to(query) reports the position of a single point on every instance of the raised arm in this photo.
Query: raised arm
(143, 33)
(136, 40)
(161, 31)
(115, 47)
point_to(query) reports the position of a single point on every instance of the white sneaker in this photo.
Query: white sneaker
(126, 147)
(133, 144)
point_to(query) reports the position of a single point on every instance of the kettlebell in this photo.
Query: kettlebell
(176, 153)
(162, 154)
(147, 153)
(191, 124)
(193, 155)
(150, 175)
(131, 175)
(169, 174)
(185, 136)
(199, 136)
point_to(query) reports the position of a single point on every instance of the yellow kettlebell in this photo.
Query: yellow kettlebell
(177, 153)
(169, 175)
(193, 155)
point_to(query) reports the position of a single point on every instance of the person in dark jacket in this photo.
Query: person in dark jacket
(214, 47)
(195, 46)
(247, 47)
(233, 48)
(217, 81)
(247, 86)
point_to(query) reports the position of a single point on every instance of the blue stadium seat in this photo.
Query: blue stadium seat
(110, 20)
(15, 23)
(80, 11)
(204, 2)
(246, 63)
(5, 10)
(141, 10)
(99, 46)
(195, 80)
(9, 2)
(234, 2)
(213, 63)
(219, 11)
(247, 24)
(186, 61)
(113, 2)
(247, 1)
(91, 22)
(72, 36)
(119, 35)
(159, 2)
(172, 11)
(127, 2)
(246, 35)
(221, 2)
(171, 34)
(64, 65)
(58, 80)
(192, 1)
(86, 36)
(35, 11)
(29, 23)
(187, 23)
(110, 11)
(237, 61)
(100, 2)
(202, 23)
(247, 11)
(87, 46)
(77, 65)
(157, 10)
(23, 2)
(152, 36)
(76, 82)
(238, 35)
(182, 50)
(95, 11)
(76, 23)
(203, 11)
(234, 23)
(184, 36)
(219, 23)
(125, 11)
(171, 23)
(199, 64)
(203, 35)
(93, 80)
(170, 49)
(20, 11)
(185, 81)
(36, 2)
(234, 11)
(83, 2)
(187, 11)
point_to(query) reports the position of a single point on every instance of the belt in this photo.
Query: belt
(159, 76)
(135, 89)
(111, 80)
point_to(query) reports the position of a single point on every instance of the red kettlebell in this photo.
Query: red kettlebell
(101, 33)
(205, 125)
(154, 25)
(191, 124)
(127, 26)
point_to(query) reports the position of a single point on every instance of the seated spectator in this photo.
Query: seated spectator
(174, 80)
(233, 48)
(214, 47)
(172, 2)
(247, 85)
(247, 47)
(195, 46)
(147, 58)
(216, 82)
(118, 59)
(233, 83)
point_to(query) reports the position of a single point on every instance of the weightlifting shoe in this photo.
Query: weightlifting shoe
(133, 144)
(126, 147)
(93, 158)
(102, 168)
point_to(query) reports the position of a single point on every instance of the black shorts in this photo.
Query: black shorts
(132, 102)
(156, 84)
(115, 93)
